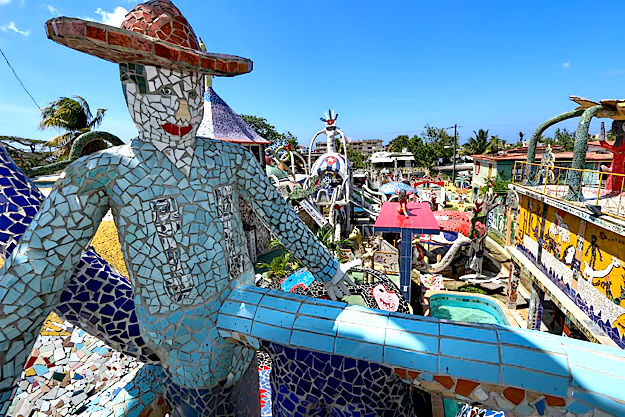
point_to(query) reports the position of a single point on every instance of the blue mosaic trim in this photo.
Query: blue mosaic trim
(605, 325)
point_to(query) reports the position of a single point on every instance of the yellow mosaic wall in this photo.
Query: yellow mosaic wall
(574, 249)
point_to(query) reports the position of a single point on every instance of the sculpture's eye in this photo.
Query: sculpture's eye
(166, 92)
(192, 95)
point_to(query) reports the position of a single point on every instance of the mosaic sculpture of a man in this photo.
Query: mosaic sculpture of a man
(174, 198)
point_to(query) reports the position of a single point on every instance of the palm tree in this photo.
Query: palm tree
(74, 117)
(477, 145)
(482, 144)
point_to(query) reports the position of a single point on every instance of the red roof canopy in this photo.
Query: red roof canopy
(421, 219)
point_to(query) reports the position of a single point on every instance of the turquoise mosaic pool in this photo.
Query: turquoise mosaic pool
(471, 309)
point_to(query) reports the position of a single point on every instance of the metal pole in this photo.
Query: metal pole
(453, 174)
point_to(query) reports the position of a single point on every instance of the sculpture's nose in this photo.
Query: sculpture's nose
(182, 114)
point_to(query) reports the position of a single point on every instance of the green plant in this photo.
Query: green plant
(281, 266)
(472, 289)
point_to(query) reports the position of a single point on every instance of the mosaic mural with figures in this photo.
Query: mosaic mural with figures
(585, 260)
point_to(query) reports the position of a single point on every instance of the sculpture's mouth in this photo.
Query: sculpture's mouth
(175, 130)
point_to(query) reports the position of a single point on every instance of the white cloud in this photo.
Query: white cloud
(113, 19)
(11, 26)
(2, 2)
(566, 65)
(53, 10)
(615, 72)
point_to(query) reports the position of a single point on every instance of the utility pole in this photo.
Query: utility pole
(453, 174)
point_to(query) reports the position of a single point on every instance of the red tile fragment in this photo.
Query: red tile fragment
(98, 34)
(242, 68)
(465, 387)
(165, 52)
(189, 58)
(444, 380)
(232, 66)
(141, 44)
(120, 39)
(221, 65)
(413, 375)
(31, 362)
(401, 372)
(208, 63)
(555, 401)
(74, 28)
(514, 395)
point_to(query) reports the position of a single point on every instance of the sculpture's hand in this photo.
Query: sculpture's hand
(337, 287)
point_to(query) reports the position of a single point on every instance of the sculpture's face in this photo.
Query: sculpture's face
(163, 102)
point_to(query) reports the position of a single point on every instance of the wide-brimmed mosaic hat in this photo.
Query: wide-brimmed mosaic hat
(153, 33)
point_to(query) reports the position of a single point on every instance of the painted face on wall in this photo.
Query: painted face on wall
(163, 103)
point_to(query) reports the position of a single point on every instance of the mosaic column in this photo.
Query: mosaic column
(535, 313)
(405, 262)
(513, 285)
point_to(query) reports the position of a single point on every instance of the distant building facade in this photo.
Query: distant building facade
(503, 163)
(366, 146)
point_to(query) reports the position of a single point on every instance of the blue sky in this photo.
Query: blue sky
(387, 68)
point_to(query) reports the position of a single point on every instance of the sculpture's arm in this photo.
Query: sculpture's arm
(39, 268)
(255, 188)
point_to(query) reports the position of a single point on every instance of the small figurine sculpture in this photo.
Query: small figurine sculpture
(403, 203)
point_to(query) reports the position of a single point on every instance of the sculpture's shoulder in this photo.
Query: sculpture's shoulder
(224, 153)
(214, 145)
(100, 169)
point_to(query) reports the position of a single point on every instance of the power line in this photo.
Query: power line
(18, 79)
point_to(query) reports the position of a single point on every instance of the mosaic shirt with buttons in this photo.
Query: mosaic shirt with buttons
(175, 199)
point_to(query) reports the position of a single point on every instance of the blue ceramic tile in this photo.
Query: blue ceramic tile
(234, 324)
(470, 350)
(359, 350)
(591, 380)
(468, 332)
(410, 360)
(365, 318)
(316, 325)
(532, 339)
(245, 296)
(415, 324)
(411, 341)
(274, 317)
(271, 333)
(321, 310)
(534, 381)
(238, 309)
(537, 360)
(601, 402)
(578, 407)
(308, 340)
(469, 369)
(361, 332)
(280, 303)
(598, 361)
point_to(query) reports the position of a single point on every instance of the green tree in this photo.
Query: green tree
(399, 143)
(73, 116)
(354, 156)
(268, 131)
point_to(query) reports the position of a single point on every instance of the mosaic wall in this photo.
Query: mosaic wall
(583, 259)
